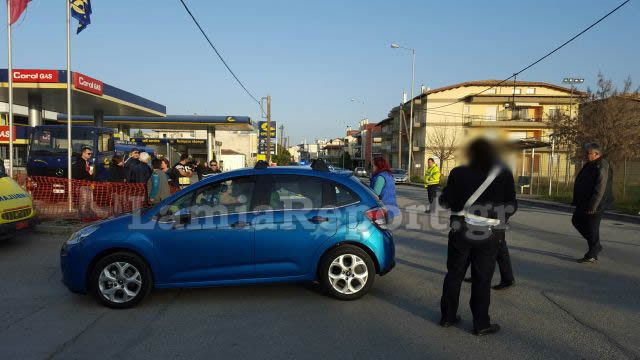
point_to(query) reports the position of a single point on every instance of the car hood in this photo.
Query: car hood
(12, 195)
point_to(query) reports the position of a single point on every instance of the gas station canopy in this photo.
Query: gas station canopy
(89, 95)
(183, 122)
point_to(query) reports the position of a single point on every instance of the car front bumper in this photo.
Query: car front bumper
(73, 273)
(12, 229)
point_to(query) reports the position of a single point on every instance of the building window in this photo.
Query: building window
(490, 91)
(531, 91)
(467, 108)
(554, 113)
(515, 91)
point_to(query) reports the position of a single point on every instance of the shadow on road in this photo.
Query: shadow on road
(421, 267)
(543, 252)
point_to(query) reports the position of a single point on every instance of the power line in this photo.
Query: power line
(540, 59)
(218, 53)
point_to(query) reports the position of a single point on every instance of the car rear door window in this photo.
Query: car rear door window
(344, 196)
(292, 192)
(337, 195)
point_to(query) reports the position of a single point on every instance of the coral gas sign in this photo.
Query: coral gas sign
(87, 83)
(4, 133)
(35, 76)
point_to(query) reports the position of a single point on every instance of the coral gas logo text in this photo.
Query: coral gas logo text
(87, 83)
(35, 76)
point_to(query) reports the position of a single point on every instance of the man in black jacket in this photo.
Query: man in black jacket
(131, 162)
(592, 195)
(80, 169)
(475, 245)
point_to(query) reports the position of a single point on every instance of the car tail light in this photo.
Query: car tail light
(378, 217)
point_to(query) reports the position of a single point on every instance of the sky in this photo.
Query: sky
(313, 57)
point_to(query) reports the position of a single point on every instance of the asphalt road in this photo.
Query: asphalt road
(559, 310)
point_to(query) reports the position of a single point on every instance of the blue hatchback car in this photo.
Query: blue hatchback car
(261, 225)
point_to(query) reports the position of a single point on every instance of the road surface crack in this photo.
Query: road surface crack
(62, 347)
(630, 354)
(24, 318)
(147, 329)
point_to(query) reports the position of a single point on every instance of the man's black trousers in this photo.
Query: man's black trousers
(503, 259)
(432, 192)
(481, 255)
(588, 225)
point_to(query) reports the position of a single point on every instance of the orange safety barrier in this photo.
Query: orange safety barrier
(90, 200)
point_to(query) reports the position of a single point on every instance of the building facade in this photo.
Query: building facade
(445, 118)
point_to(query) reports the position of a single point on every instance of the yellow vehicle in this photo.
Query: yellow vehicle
(17, 214)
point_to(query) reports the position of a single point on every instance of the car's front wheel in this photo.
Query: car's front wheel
(347, 272)
(120, 280)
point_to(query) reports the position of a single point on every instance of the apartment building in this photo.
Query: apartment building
(514, 112)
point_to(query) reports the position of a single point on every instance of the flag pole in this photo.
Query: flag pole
(69, 113)
(10, 76)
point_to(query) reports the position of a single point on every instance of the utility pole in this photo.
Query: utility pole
(413, 75)
(400, 113)
(269, 129)
(281, 142)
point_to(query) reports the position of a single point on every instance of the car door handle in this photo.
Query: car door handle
(240, 225)
(318, 219)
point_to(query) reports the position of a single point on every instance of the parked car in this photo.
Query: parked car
(261, 225)
(360, 172)
(17, 213)
(399, 176)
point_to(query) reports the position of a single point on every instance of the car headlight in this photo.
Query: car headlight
(81, 234)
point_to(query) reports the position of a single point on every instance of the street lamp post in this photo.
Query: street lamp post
(413, 73)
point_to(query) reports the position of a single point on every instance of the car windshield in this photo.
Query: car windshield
(54, 140)
(398, 172)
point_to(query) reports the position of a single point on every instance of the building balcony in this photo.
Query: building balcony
(504, 121)
(419, 123)
(419, 147)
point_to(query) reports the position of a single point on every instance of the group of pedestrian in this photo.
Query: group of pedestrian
(481, 197)
(139, 168)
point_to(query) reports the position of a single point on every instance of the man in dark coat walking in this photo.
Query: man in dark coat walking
(592, 195)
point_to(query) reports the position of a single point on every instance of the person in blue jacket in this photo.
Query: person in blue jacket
(384, 186)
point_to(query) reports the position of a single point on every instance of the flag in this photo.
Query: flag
(81, 11)
(17, 8)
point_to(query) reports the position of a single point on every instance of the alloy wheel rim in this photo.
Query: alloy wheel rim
(348, 274)
(119, 282)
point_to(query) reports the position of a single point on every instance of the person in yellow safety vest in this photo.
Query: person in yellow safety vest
(432, 182)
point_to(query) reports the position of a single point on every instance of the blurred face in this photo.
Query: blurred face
(87, 154)
(593, 155)
(213, 165)
(135, 154)
(163, 166)
(430, 162)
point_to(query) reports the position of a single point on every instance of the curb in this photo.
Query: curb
(51, 228)
(565, 208)
(569, 209)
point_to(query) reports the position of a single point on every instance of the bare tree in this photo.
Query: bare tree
(607, 116)
(443, 143)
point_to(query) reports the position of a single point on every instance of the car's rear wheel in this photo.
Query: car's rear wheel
(347, 272)
(120, 280)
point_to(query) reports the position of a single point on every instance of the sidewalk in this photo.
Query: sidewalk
(546, 204)
(552, 205)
